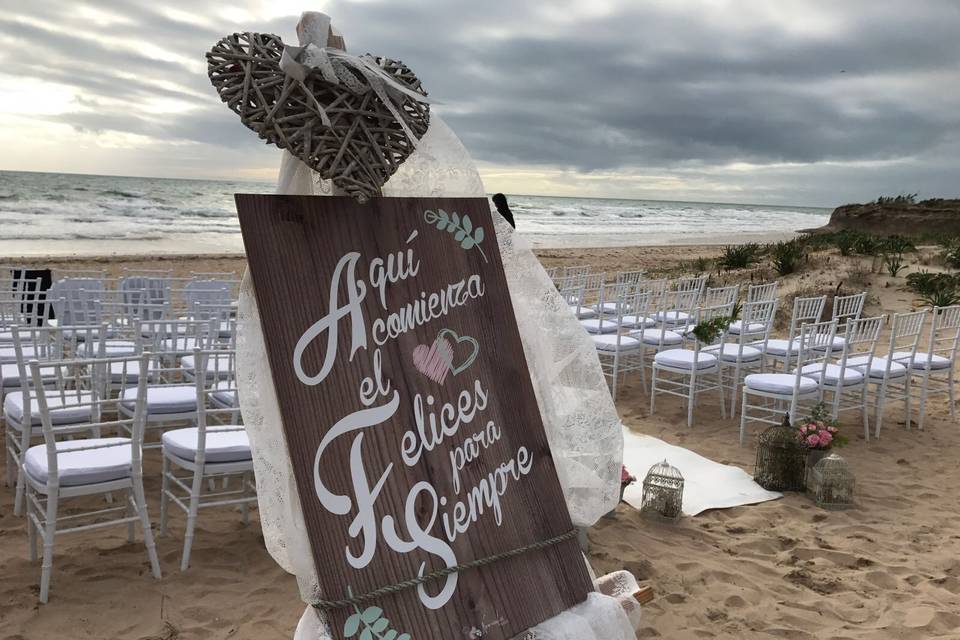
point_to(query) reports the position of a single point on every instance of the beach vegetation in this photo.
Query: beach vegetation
(951, 253)
(935, 289)
(786, 256)
(903, 198)
(845, 241)
(739, 256)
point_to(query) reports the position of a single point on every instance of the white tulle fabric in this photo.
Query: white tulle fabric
(581, 422)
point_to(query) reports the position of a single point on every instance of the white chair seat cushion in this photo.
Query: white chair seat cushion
(9, 354)
(68, 410)
(778, 347)
(684, 359)
(652, 337)
(132, 371)
(878, 366)
(829, 374)
(672, 317)
(90, 466)
(221, 445)
(838, 343)
(219, 364)
(921, 358)
(637, 322)
(755, 327)
(226, 395)
(779, 383)
(10, 375)
(607, 307)
(730, 351)
(582, 312)
(599, 325)
(6, 336)
(164, 399)
(179, 344)
(609, 343)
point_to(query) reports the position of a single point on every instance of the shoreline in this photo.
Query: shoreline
(539, 243)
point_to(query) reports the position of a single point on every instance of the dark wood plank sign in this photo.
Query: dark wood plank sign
(413, 428)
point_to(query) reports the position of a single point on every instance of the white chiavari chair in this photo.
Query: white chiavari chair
(744, 353)
(64, 467)
(689, 372)
(782, 352)
(844, 383)
(932, 370)
(890, 378)
(216, 448)
(619, 353)
(767, 396)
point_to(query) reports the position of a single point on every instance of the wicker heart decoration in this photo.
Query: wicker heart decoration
(364, 144)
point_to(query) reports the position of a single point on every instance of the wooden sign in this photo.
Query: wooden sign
(413, 428)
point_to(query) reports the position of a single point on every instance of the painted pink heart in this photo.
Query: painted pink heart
(434, 361)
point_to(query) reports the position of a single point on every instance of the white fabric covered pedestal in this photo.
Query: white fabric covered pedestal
(581, 422)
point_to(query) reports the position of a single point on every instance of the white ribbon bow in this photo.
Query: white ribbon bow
(335, 64)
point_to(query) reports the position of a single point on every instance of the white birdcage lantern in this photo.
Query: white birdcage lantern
(831, 483)
(663, 492)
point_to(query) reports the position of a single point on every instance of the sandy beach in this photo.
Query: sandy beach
(889, 568)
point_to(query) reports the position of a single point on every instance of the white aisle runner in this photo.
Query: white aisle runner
(707, 484)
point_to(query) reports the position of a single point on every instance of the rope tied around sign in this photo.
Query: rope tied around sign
(326, 605)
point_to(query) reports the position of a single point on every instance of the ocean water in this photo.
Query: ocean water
(50, 213)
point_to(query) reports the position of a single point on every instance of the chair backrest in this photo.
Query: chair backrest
(631, 304)
(860, 341)
(630, 277)
(176, 337)
(846, 308)
(806, 311)
(756, 321)
(42, 344)
(145, 290)
(220, 365)
(685, 301)
(81, 385)
(206, 292)
(708, 314)
(905, 332)
(552, 272)
(656, 288)
(696, 284)
(78, 301)
(23, 308)
(762, 292)
(571, 289)
(815, 342)
(945, 334)
(814, 347)
(579, 270)
(717, 296)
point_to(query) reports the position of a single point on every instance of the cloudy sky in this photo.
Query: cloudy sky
(787, 101)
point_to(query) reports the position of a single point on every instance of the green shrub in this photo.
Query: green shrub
(922, 282)
(867, 245)
(936, 289)
(894, 263)
(898, 244)
(738, 256)
(845, 241)
(785, 256)
(951, 255)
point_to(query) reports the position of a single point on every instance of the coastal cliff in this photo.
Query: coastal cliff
(900, 215)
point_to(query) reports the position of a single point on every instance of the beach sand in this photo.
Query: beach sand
(889, 568)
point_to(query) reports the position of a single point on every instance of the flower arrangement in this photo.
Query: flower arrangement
(820, 431)
(708, 331)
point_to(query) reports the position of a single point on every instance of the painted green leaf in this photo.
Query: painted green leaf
(443, 215)
(367, 634)
(468, 243)
(442, 224)
(380, 625)
(455, 219)
(351, 626)
(403, 636)
(370, 614)
(467, 224)
(390, 635)
(459, 235)
(478, 235)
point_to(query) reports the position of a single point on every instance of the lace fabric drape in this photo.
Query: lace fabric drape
(580, 420)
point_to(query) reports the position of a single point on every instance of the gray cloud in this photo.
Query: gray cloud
(827, 89)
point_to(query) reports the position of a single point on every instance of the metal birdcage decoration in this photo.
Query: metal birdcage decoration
(663, 493)
(781, 459)
(831, 483)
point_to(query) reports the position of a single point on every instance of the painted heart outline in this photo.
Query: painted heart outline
(456, 339)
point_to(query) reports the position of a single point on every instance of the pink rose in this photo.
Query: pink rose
(813, 440)
(832, 429)
(825, 438)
